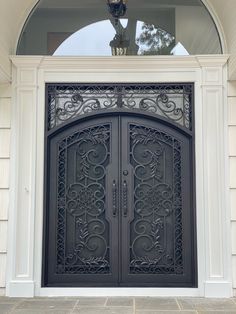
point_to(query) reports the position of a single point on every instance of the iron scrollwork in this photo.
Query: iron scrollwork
(82, 229)
(171, 101)
(156, 159)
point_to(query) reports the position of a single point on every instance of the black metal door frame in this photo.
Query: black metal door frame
(121, 185)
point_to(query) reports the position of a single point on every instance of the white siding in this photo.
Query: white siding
(5, 133)
(232, 161)
(3, 258)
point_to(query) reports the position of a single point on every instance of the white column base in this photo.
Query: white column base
(20, 289)
(218, 289)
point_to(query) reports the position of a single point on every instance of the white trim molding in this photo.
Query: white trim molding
(211, 10)
(26, 211)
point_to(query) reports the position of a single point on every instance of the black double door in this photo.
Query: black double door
(119, 204)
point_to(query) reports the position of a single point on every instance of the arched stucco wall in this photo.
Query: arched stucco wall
(225, 11)
(14, 13)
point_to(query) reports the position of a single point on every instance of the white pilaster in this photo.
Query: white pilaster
(23, 162)
(215, 172)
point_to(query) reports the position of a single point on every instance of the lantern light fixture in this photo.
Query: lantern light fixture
(119, 45)
(117, 8)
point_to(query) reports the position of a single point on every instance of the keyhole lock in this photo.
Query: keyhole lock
(125, 172)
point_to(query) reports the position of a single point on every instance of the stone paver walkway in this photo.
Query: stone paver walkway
(117, 305)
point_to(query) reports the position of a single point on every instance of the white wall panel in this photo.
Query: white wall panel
(231, 89)
(232, 161)
(5, 135)
(5, 112)
(231, 110)
(4, 173)
(4, 204)
(233, 229)
(232, 140)
(233, 204)
(234, 270)
(3, 236)
(3, 260)
(5, 90)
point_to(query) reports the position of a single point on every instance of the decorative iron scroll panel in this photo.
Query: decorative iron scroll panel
(171, 101)
(158, 245)
(119, 202)
(156, 160)
(81, 167)
(83, 159)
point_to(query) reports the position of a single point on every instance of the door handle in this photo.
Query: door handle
(114, 198)
(125, 198)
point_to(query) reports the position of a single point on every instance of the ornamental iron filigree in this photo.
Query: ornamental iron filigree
(171, 101)
(84, 247)
(156, 160)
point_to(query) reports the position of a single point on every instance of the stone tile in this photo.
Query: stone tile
(164, 312)
(216, 312)
(54, 299)
(203, 304)
(46, 304)
(120, 301)
(150, 303)
(104, 310)
(91, 301)
(6, 308)
(31, 311)
(10, 300)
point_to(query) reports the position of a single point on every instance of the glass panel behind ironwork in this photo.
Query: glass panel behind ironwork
(171, 101)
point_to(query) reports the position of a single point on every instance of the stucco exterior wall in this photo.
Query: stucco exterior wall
(5, 132)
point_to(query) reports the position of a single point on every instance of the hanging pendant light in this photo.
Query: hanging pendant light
(117, 8)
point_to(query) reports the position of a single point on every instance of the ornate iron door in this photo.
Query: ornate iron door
(119, 189)
(82, 225)
(157, 214)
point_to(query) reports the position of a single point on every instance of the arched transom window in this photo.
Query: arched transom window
(150, 27)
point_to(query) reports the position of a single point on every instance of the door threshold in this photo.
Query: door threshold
(119, 292)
